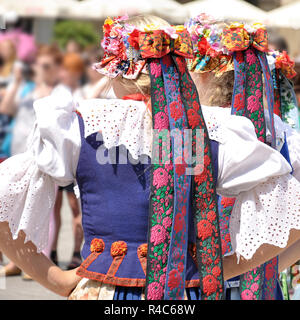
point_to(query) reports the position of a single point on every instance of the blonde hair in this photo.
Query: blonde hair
(142, 82)
(217, 91)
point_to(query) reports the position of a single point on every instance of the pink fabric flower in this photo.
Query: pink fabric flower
(167, 222)
(251, 58)
(162, 279)
(253, 104)
(258, 94)
(247, 295)
(160, 177)
(155, 291)
(158, 234)
(161, 121)
(156, 69)
(254, 287)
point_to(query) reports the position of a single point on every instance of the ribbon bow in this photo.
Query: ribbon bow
(157, 43)
(237, 38)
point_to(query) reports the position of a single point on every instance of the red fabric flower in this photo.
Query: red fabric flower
(216, 271)
(238, 102)
(193, 118)
(204, 228)
(174, 279)
(227, 202)
(210, 284)
(196, 105)
(176, 110)
(200, 178)
(180, 166)
(118, 248)
(179, 222)
(269, 271)
(180, 267)
(97, 245)
(134, 39)
(211, 216)
(239, 56)
(203, 46)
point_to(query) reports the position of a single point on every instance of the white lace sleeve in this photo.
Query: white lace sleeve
(28, 180)
(244, 161)
(267, 203)
(265, 215)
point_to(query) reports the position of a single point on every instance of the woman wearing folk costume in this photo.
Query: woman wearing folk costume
(151, 225)
(228, 68)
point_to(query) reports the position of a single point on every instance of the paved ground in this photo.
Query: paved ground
(12, 288)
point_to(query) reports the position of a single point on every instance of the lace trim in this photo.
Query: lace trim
(129, 123)
(26, 198)
(265, 215)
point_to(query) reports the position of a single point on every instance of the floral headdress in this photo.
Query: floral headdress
(162, 52)
(286, 105)
(210, 54)
(126, 47)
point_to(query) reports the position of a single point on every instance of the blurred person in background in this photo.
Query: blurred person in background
(277, 42)
(70, 74)
(73, 46)
(8, 61)
(17, 102)
(97, 85)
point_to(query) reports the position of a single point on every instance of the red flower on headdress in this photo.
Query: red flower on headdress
(134, 39)
(203, 46)
(284, 62)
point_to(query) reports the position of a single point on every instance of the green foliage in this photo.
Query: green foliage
(82, 32)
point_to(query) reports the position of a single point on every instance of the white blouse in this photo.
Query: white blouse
(248, 169)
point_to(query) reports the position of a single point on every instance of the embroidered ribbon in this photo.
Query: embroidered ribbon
(167, 242)
(250, 63)
(252, 285)
(205, 209)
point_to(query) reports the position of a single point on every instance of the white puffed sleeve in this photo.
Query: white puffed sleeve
(267, 203)
(28, 180)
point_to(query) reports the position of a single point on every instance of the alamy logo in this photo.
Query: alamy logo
(185, 151)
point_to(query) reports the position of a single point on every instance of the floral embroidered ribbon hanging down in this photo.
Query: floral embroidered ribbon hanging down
(250, 63)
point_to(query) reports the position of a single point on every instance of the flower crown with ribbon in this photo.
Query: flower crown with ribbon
(210, 54)
(162, 53)
(127, 47)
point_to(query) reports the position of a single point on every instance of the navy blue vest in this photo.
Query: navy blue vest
(115, 206)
